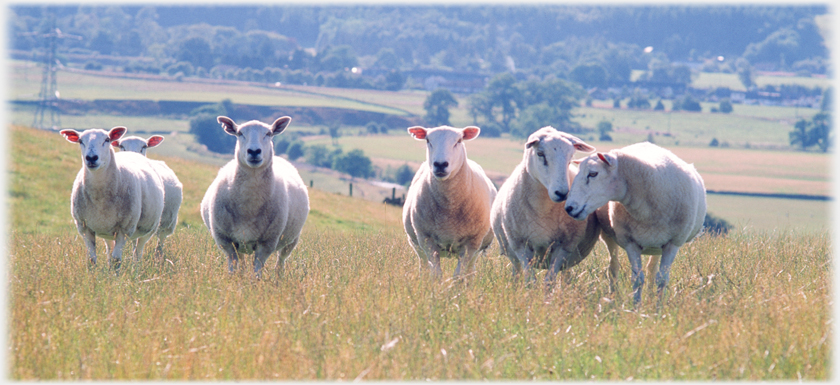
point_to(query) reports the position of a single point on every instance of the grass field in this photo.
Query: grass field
(355, 303)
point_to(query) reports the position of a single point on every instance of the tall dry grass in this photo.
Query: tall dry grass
(355, 303)
(358, 305)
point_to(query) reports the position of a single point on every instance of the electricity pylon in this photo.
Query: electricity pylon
(49, 95)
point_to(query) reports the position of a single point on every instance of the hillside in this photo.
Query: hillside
(40, 191)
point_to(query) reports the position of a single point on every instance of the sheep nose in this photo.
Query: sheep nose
(560, 196)
(569, 209)
(92, 159)
(254, 153)
(441, 165)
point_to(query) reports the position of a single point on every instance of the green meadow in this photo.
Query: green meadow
(356, 304)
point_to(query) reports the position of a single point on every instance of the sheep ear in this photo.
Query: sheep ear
(417, 132)
(280, 125)
(607, 158)
(116, 133)
(71, 135)
(154, 140)
(532, 142)
(577, 161)
(471, 132)
(227, 124)
(583, 147)
(115, 143)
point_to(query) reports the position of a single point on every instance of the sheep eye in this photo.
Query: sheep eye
(541, 154)
(592, 174)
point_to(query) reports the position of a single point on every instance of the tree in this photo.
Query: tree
(820, 131)
(745, 72)
(604, 128)
(404, 174)
(503, 93)
(320, 155)
(799, 135)
(206, 128)
(437, 107)
(394, 80)
(196, 51)
(354, 163)
(295, 150)
(589, 75)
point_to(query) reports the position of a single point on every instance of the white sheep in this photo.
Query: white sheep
(172, 187)
(531, 225)
(258, 203)
(116, 196)
(647, 200)
(137, 144)
(447, 206)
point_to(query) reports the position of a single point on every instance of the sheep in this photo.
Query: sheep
(258, 203)
(137, 144)
(116, 196)
(530, 224)
(172, 187)
(647, 200)
(447, 206)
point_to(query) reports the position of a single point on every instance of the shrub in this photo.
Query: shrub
(715, 225)
(354, 163)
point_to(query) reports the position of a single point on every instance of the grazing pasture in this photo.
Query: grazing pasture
(355, 304)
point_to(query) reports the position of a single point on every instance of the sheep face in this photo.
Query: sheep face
(254, 147)
(547, 156)
(137, 144)
(95, 145)
(596, 183)
(445, 151)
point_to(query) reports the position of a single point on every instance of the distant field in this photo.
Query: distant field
(25, 83)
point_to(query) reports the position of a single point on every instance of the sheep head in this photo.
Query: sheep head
(548, 153)
(254, 145)
(95, 145)
(596, 183)
(445, 151)
(137, 144)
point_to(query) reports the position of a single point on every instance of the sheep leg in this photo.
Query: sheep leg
(116, 254)
(230, 251)
(634, 254)
(467, 258)
(280, 267)
(261, 254)
(612, 248)
(669, 253)
(140, 246)
(558, 258)
(90, 243)
(432, 252)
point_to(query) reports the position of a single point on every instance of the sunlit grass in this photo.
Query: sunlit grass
(355, 302)
(357, 305)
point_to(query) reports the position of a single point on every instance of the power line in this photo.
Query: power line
(49, 94)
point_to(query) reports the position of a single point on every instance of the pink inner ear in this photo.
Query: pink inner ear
(115, 143)
(70, 135)
(603, 159)
(116, 133)
(584, 147)
(471, 132)
(418, 132)
(154, 140)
